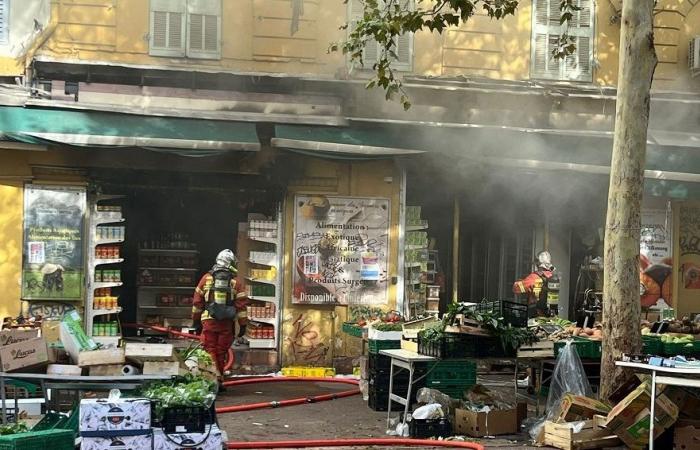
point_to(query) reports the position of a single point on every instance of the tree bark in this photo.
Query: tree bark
(621, 303)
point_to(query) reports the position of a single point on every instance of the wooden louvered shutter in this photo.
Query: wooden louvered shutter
(370, 55)
(546, 30)
(168, 28)
(4, 21)
(204, 29)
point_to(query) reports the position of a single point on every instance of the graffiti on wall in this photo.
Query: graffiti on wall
(50, 309)
(304, 342)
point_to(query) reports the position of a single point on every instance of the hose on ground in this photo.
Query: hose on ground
(351, 442)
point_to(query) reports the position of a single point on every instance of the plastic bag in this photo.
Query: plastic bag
(431, 411)
(569, 377)
(479, 396)
(428, 396)
(364, 389)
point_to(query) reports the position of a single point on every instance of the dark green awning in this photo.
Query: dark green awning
(344, 142)
(189, 137)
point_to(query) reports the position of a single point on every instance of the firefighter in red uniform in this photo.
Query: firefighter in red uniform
(536, 286)
(219, 299)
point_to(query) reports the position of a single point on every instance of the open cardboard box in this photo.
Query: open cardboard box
(480, 424)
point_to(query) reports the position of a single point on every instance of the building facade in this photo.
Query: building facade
(487, 98)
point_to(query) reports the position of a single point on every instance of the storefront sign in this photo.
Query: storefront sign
(341, 248)
(53, 242)
(689, 245)
(655, 256)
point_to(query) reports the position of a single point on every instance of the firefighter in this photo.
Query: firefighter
(219, 300)
(541, 287)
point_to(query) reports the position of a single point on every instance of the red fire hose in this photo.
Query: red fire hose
(342, 442)
(350, 442)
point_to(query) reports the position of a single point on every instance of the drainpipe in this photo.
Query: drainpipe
(455, 251)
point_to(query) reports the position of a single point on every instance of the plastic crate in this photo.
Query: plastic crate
(427, 428)
(352, 329)
(374, 345)
(451, 345)
(50, 421)
(449, 371)
(32, 440)
(491, 347)
(651, 345)
(586, 348)
(671, 349)
(513, 313)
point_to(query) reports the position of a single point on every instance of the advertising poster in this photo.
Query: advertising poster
(689, 245)
(52, 265)
(341, 247)
(656, 260)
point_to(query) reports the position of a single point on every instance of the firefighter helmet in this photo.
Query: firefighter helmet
(226, 258)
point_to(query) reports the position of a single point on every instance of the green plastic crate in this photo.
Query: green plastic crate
(452, 371)
(652, 345)
(32, 440)
(50, 421)
(374, 345)
(352, 329)
(670, 349)
(586, 348)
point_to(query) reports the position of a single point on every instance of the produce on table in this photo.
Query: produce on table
(13, 428)
(188, 390)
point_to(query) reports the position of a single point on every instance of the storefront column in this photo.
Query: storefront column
(455, 251)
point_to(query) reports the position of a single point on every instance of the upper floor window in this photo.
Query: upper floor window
(546, 29)
(404, 43)
(190, 28)
(4, 21)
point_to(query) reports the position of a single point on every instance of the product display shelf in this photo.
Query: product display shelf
(97, 219)
(263, 233)
(414, 268)
(159, 262)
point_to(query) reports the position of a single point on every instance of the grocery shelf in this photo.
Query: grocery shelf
(103, 312)
(104, 241)
(416, 227)
(106, 284)
(262, 298)
(102, 219)
(269, 240)
(261, 343)
(412, 264)
(105, 197)
(260, 280)
(101, 262)
(270, 320)
(270, 262)
(166, 250)
(415, 247)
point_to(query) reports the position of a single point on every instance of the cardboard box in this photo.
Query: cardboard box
(101, 357)
(117, 442)
(106, 370)
(24, 354)
(64, 369)
(686, 435)
(151, 352)
(687, 401)
(577, 407)
(480, 424)
(104, 415)
(58, 355)
(15, 335)
(161, 368)
(579, 435)
(51, 331)
(629, 419)
(215, 440)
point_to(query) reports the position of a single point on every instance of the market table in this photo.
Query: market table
(403, 359)
(669, 380)
(74, 383)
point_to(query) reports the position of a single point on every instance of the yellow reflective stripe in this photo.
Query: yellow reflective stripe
(241, 295)
(196, 309)
(242, 314)
(197, 290)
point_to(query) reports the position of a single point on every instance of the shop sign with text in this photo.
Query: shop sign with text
(341, 250)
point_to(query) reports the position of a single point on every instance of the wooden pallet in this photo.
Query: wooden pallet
(592, 435)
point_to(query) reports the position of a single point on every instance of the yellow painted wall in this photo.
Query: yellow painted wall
(311, 334)
(11, 207)
(256, 38)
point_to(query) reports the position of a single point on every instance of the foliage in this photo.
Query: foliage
(198, 354)
(13, 428)
(384, 21)
(188, 390)
(433, 333)
(388, 326)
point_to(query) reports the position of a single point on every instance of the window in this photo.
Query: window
(546, 30)
(4, 21)
(186, 28)
(404, 43)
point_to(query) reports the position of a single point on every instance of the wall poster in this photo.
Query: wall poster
(341, 248)
(689, 245)
(52, 255)
(655, 259)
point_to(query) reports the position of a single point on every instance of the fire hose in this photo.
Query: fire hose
(337, 442)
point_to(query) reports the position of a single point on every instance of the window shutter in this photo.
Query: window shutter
(4, 21)
(168, 28)
(370, 55)
(204, 29)
(546, 30)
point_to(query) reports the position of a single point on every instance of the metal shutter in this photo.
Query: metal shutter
(545, 33)
(204, 29)
(168, 28)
